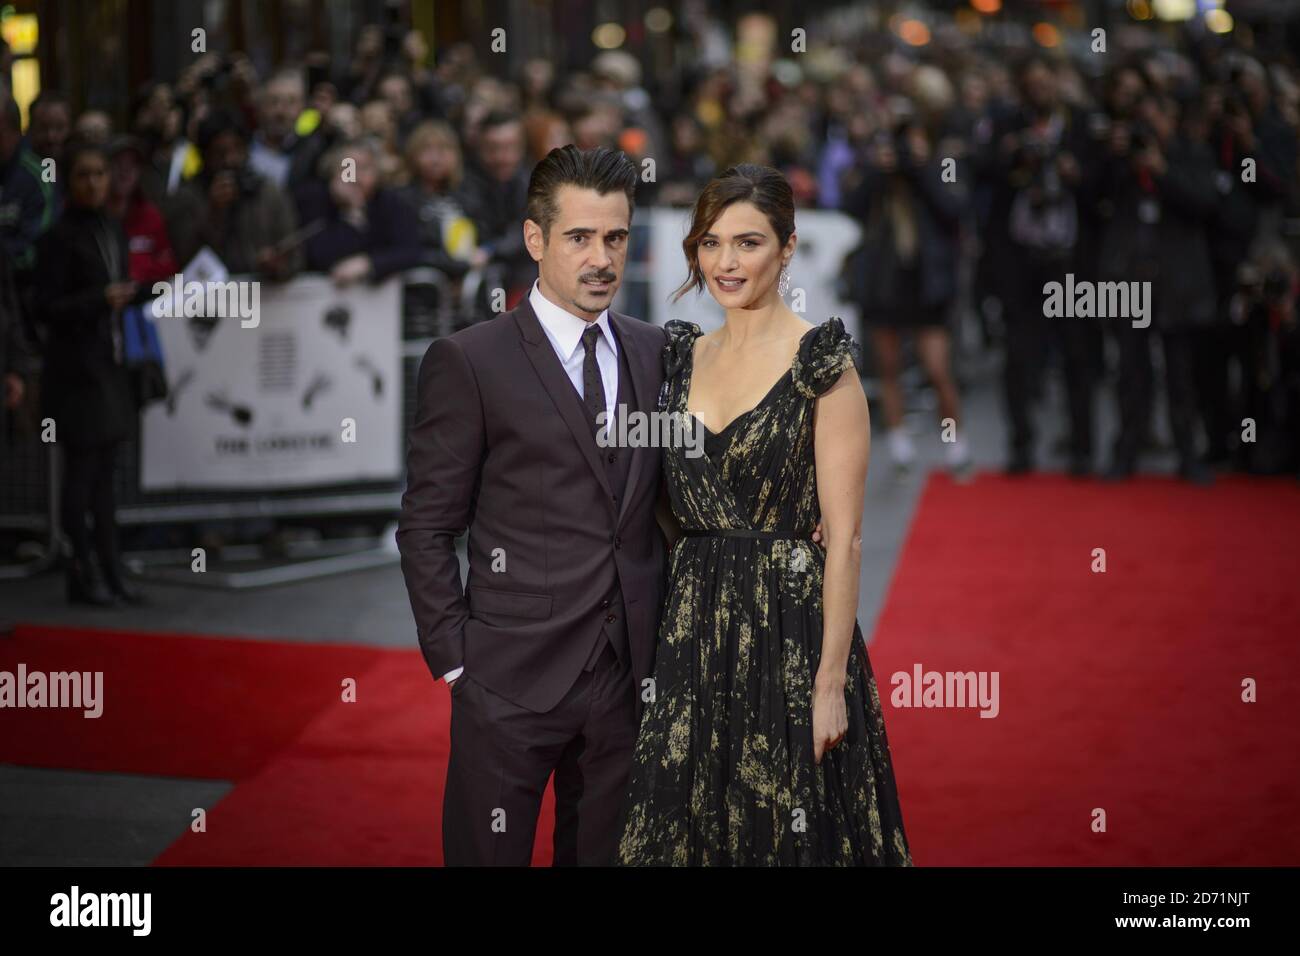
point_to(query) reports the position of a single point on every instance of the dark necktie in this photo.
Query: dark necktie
(593, 388)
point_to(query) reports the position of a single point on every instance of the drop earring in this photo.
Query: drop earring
(783, 283)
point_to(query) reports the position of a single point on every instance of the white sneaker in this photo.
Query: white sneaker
(957, 457)
(901, 449)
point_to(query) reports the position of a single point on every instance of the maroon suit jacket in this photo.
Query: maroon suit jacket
(501, 446)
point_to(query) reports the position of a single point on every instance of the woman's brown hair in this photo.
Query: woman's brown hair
(763, 186)
(431, 131)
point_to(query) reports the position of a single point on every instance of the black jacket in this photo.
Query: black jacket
(500, 445)
(498, 210)
(1159, 233)
(27, 204)
(389, 239)
(431, 213)
(84, 388)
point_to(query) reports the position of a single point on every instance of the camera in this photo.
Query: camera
(248, 181)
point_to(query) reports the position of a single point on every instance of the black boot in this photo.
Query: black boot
(85, 585)
(117, 585)
(110, 558)
(124, 592)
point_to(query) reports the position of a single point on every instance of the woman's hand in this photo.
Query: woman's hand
(830, 715)
(350, 270)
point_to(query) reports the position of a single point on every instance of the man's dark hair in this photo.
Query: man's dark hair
(602, 169)
(216, 123)
(78, 146)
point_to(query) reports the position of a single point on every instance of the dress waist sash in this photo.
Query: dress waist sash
(753, 533)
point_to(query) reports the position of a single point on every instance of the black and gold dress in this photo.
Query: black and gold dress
(723, 771)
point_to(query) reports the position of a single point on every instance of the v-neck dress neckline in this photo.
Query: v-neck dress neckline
(712, 444)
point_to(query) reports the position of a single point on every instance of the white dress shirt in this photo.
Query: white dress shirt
(564, 330)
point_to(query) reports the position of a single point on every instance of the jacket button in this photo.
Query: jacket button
(610, 619)
(605, 603)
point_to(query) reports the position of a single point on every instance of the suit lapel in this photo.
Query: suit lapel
(537, 347)
(640, 389)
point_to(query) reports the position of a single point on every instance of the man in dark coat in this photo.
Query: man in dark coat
(1163, 194)
(1036, 162)
(241, 216)
(548, 645)
(495, 192)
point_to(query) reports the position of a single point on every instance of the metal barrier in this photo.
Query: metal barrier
(30, 476)
(431, 308)
(29, 473)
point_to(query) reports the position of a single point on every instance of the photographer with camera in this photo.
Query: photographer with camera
(1245, 131)
(242, 217)
(1038, 175)
(1159, 182)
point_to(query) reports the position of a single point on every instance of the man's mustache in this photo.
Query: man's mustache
(599, 277)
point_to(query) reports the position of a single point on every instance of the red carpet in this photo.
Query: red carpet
(319, 782)
(1118, 691)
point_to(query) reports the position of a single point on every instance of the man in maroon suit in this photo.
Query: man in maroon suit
(547, 646)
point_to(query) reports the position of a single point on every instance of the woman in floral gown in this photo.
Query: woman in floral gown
(762, 741)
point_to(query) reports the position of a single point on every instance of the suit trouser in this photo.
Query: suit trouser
(502, 755)
(1080, 341)
(1029, 333)
(1223, 409)
(1136, 391)
(1025, 345)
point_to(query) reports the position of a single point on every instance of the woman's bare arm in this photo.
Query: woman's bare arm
(841, 446)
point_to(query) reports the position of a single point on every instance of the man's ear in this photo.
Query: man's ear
(534, 239)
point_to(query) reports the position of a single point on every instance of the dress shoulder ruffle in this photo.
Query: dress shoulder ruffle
(824, 354)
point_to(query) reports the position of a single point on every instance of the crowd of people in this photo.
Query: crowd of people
(978, 175)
